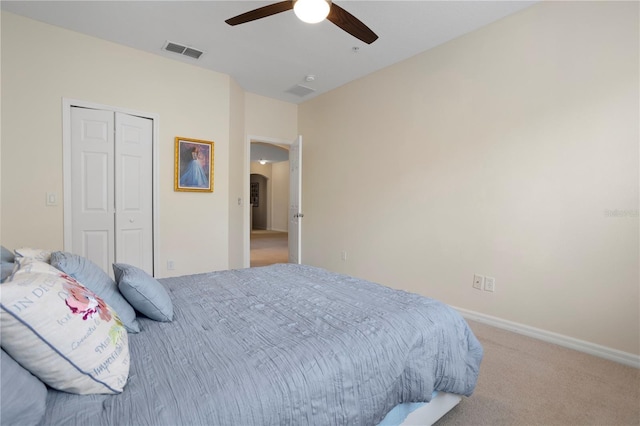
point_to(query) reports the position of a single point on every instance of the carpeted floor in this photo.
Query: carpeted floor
(525, 381)
(269, 247)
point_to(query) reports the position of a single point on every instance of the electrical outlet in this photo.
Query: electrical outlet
(490, 284)
(343, 256)
(170, 265)
(478, 282)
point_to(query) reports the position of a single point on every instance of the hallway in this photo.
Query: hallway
(269, 247)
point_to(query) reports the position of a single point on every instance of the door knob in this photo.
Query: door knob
(131, 220)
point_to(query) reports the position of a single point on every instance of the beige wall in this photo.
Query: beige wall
(501, 153)
(42, 64)
(280, 196)
(270, 120)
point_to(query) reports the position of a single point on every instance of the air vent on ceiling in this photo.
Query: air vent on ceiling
(182, 50)
(301, 90)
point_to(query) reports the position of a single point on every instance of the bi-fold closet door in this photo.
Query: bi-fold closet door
(112, 188)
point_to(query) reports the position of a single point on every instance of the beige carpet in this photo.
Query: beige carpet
(525, 381)
(269, 247)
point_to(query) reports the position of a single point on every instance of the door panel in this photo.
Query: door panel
(132, 246)
(92, 189)
(96, 247)
(95, 175)
(134, 189)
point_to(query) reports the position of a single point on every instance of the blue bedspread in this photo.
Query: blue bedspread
(283, 345)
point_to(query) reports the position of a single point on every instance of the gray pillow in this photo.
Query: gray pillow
(95, 279)
(23, 395)
(143, 292)
(6, 269)
(6, 263)
(6, 255)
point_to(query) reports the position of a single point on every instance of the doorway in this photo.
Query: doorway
(268, 200)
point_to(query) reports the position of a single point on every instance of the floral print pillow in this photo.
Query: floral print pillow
(62, 332)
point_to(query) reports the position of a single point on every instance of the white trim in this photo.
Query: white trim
(67, 103)
(611, 354)
(246, 249)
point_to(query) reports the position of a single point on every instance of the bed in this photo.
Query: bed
(281, 345)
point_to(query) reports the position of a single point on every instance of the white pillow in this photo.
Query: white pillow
(38, 254)
(24, 265)
(62, 332)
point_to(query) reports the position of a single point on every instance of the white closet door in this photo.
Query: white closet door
(92, 185)
(133, 191)
(112, 188)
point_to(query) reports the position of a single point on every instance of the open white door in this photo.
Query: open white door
(295, 201)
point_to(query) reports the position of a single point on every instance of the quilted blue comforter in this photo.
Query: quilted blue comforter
(283, 345)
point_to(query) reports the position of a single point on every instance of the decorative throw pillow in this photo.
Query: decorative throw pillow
(95, 279)
(143, 292)
(23, 396)
(63, 333)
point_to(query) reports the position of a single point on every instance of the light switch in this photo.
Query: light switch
(52, 199)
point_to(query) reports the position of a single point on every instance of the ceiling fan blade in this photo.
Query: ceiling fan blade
(261, 12)
(351, 24)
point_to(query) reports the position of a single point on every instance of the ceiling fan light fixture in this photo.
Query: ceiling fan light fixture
(311, 11)
(263, 162)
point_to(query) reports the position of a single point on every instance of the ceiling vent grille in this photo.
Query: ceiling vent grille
(300, 90)
(192, 53)
(182, 50)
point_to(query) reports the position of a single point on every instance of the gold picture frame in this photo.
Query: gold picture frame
(193, 171)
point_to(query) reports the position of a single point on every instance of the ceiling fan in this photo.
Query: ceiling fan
(311, 11)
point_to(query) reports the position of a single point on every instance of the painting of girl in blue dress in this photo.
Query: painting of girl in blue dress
(194, 165)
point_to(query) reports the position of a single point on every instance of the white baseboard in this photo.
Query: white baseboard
(558, 339)
(278, 230)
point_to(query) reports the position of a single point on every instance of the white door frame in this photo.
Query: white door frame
(67, 104)
(246, 180)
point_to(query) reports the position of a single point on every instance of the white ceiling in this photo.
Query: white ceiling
(272, 55)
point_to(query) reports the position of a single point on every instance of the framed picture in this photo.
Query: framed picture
(255, 194)
(193, 165)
